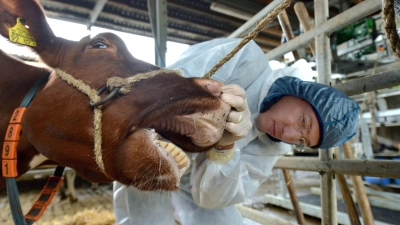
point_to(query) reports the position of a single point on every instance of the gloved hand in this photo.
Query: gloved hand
(238, 123)
(237, 126)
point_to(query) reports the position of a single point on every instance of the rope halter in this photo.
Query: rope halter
(123, 85)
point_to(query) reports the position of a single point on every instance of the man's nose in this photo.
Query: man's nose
(289, 134)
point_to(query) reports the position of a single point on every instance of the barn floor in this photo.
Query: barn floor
(61, 212)
(98, 203)
(100, 200)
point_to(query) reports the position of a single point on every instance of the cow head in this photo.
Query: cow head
(59, 121)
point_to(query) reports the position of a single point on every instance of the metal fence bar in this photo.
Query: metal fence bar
(371, 83)
(323, 61)
(374, 168)
(341, 20)
(325, 164)
(251, 23)
(322, 43)
(328, 190)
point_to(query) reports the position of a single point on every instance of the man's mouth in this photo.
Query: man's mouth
(272, 130)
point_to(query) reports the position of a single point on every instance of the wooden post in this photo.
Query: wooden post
(293, 198)
(359, 190)
(305, 21)
(287, 30)
(346, 194)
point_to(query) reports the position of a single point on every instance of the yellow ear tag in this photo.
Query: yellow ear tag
(19, 34)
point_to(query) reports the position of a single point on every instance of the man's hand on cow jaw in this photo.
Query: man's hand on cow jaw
(238, 123)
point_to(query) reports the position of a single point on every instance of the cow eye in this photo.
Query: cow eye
(99, 45)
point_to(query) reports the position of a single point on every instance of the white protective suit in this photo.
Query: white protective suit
(208, 190)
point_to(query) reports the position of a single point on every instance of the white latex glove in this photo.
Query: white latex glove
(237, 126)
(238, 123)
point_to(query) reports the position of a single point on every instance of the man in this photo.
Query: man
(284, 111)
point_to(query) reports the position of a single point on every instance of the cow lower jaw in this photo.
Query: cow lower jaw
(176, 152)
(171, 152)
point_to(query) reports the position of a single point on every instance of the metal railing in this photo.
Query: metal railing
(327, 164)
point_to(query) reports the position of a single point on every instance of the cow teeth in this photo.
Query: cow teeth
(176, 152)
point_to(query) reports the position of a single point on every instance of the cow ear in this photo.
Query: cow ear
(24, 22)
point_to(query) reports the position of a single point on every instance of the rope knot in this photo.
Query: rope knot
(119, 82)
(388, 15)
(126, 84)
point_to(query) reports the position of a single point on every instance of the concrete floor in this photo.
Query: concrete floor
(302, 180)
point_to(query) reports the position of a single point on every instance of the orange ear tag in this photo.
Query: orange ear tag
(19, 34)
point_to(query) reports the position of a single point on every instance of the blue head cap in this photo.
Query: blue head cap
(337, 114)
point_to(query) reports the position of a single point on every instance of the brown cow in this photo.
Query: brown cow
(58, 124)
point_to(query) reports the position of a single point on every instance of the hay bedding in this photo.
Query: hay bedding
(87, 217)
(94, 207)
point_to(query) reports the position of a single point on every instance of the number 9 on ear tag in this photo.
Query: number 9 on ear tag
(19, 34)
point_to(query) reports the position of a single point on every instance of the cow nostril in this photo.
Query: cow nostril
(213, 86)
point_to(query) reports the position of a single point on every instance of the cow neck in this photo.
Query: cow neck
(116, 85)
(9, 165)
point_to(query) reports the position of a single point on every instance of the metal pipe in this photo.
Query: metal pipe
(94, 14)
(230, 11)
(370, 83)
(161, 33)
(328, 187)
(158, 17)
(250, 24)
(323, 48)
(328, 190)
(343, 19)
(374, 168)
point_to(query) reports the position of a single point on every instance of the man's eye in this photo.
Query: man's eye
(99, 45)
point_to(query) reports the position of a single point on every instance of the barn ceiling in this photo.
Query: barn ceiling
(189, 21)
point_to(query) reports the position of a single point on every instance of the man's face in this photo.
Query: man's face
(291, 120)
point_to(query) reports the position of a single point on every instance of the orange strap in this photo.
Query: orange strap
(9, 153)
(45, 198)
(9, 166)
